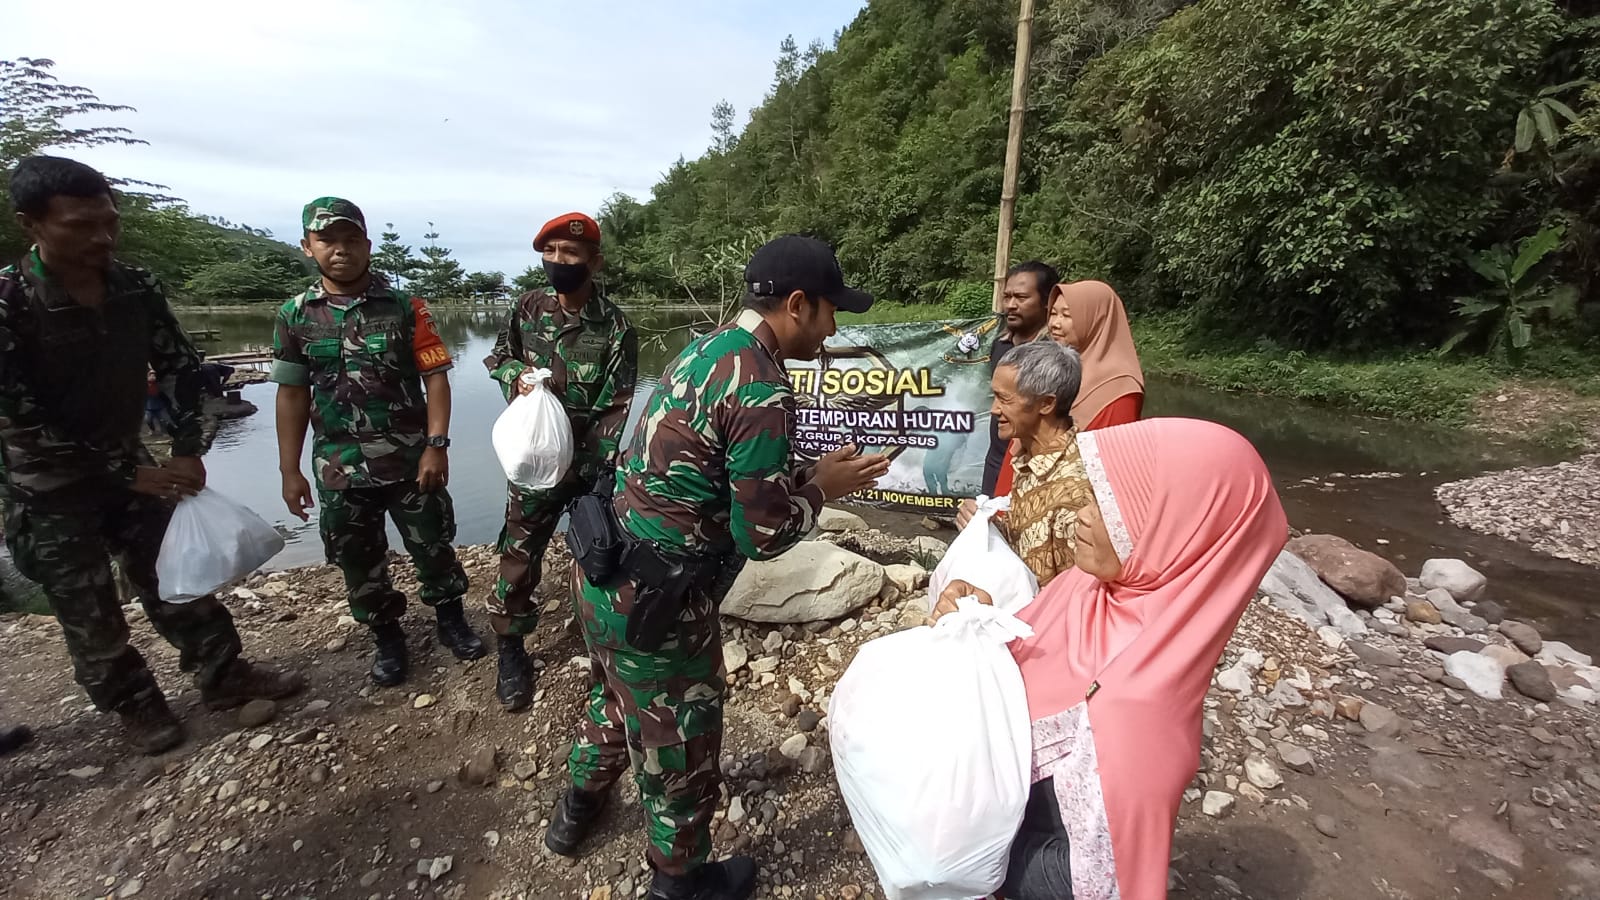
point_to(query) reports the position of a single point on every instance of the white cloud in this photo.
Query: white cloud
(486, 117)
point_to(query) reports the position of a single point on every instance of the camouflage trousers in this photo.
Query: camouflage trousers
(531, 519)
(352, 526)
(660, 713)
(69, 554)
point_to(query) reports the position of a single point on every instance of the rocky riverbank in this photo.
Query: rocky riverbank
(1350, 753)
(1554, 509)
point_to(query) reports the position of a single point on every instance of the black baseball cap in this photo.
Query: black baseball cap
(797, 263)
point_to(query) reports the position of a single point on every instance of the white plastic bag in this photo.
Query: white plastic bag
(533, 437)
(210, 543)
(933, 751)
(981, 557)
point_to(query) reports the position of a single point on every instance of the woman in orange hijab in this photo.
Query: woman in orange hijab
(1089, 317)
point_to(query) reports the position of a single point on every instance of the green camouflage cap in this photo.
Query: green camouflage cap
(324, 211)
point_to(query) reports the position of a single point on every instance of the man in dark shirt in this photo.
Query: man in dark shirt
(78, 333)
(1025, 304)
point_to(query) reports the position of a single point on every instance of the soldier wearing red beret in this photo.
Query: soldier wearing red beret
(592, 352)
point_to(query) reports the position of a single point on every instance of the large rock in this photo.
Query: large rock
(930, 547)
(1295, 588)
(1483, 675)
(1461, 580)
(812, 582)
(1365, 579)
(1557, 652)
(1523, 635)
(831, 519)
(1533, 681)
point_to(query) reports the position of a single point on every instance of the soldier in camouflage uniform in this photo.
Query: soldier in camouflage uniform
(593, 357)
(709, 476)
(351, 358)
(78, 333)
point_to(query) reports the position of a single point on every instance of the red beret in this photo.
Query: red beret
(574, 226)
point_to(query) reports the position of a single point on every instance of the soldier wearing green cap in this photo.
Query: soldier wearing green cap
(366, 369)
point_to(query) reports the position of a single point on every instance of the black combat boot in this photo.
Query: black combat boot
(244, 681)
(13, 739)
(389, 659)
(455, 633)
(732, 879)
(149, 723)
(576, 813)
(515, 685)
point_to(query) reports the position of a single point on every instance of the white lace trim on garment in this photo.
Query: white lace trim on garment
(1089, 449)
(1064, 750)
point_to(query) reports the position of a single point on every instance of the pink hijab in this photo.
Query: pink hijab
(1195, 519)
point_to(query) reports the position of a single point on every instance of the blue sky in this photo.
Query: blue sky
(486, 117)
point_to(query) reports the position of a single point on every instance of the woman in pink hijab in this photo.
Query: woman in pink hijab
(1184, 524)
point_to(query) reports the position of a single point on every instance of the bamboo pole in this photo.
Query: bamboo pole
(1008, 190)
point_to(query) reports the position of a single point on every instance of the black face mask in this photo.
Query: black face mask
(566, 278)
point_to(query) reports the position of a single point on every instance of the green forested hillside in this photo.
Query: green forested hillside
(1311, 173)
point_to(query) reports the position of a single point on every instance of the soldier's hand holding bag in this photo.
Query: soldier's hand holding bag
(210, 543)
(533, 437)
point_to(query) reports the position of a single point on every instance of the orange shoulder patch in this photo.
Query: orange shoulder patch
(426, 345)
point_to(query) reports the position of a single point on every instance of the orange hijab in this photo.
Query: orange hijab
(1110, 362)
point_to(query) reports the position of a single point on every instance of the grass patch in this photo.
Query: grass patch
(1417, 386)
(893, 312)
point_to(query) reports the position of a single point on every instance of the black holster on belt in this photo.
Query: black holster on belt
(608, 555)
(595, 537)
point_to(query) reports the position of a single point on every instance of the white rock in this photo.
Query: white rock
(930, 546)
(1261, 773)
(1251, 660)
(1484, 675)
(734, 656)
(1558, 652)
(259, 741)
(131, 888)
(1286, 696)
(792, 745)
(835, 520)
(1331, 637)
(229, 790)
(1294, 587)
(1236, 680)
(736, 810)
(1217, 804)
(424, 701)
(908, 578)
(1461, 580)
(163, 832)
(812, 582)
(435, 868)
(1578, 696)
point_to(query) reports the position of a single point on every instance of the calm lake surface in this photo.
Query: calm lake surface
(1369, 480)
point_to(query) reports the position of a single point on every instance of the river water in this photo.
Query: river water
(1369, 480)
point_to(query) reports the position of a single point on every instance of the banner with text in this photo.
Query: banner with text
(917, 392)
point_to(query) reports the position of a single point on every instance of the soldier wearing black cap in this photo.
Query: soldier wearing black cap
(707, 483)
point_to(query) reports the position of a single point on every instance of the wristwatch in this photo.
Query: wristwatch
(437, 440)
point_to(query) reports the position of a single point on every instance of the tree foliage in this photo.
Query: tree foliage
(1312, 172)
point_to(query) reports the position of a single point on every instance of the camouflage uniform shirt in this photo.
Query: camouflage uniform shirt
(710, 467)
(73, 382)
(593, 358)
(364, 359)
